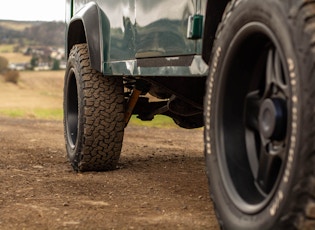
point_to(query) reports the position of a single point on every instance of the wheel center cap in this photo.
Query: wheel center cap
(272, 118)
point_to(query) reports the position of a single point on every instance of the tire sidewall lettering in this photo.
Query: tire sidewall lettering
(209, 100)
(280, 199)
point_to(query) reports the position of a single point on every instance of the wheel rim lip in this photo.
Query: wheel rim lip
(71, 110)
(246, 31)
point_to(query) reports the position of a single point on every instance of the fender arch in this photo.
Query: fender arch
(91, 25)
(214, 12)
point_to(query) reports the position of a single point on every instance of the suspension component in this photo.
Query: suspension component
(139, 88)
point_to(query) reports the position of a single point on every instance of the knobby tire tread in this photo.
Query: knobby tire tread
(103, 116)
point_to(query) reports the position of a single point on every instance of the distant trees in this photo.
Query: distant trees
(56, 65)
(34, 62)
(3, 64)
(46, 33)
(9, 75)
(7, 35)
(39, 33)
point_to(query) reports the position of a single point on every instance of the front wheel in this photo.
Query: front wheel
(259, 116)
(93, 114)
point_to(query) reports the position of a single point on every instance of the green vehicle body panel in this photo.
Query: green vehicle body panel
(139, 37)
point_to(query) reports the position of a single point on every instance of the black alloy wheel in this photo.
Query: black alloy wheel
(255, 110)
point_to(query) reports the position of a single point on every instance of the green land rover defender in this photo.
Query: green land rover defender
(242, 69)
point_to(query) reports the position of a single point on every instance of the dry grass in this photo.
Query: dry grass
(19, 26)
(15, 57)
(37, 95)
(6, 48)
(40, 95)
(11, 76)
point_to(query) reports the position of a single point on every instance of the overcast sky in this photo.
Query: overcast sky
(33, 10)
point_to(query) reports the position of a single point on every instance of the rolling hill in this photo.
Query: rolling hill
(32, 33)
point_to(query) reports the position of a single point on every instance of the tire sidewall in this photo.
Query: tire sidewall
(73, 152)
(273, 14)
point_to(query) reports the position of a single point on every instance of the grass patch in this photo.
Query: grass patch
(158, 121)
(12, 113)
(38, 113)
(50, 114)
(39, 95)
(13, 57)
(7, 48)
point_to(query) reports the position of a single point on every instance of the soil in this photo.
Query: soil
(160, 182)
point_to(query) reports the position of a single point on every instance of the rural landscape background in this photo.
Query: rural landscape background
(32, 66)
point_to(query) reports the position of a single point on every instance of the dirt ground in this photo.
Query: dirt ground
(160, 182)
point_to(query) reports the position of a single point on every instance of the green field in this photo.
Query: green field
(39, 95)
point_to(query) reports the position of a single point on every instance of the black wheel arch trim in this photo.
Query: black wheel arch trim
(214, 12)
(90, 25)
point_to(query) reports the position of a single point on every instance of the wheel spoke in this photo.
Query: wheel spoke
(252, 103)
(252, 147)
(270, 73)
(280, 81)
(268, 168)
(275, 81)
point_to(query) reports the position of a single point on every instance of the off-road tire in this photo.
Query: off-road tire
(93, 114)
(259, 116)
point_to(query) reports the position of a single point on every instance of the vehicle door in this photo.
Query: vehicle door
(162, 27)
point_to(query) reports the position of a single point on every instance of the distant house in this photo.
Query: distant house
(45, 57)
(63, 65)
(18, 66)
(58, 54)
(42, 66)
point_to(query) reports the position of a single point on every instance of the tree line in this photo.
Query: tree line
(38, 33)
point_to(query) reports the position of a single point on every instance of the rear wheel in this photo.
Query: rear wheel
(93, 114)
(259, 116)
